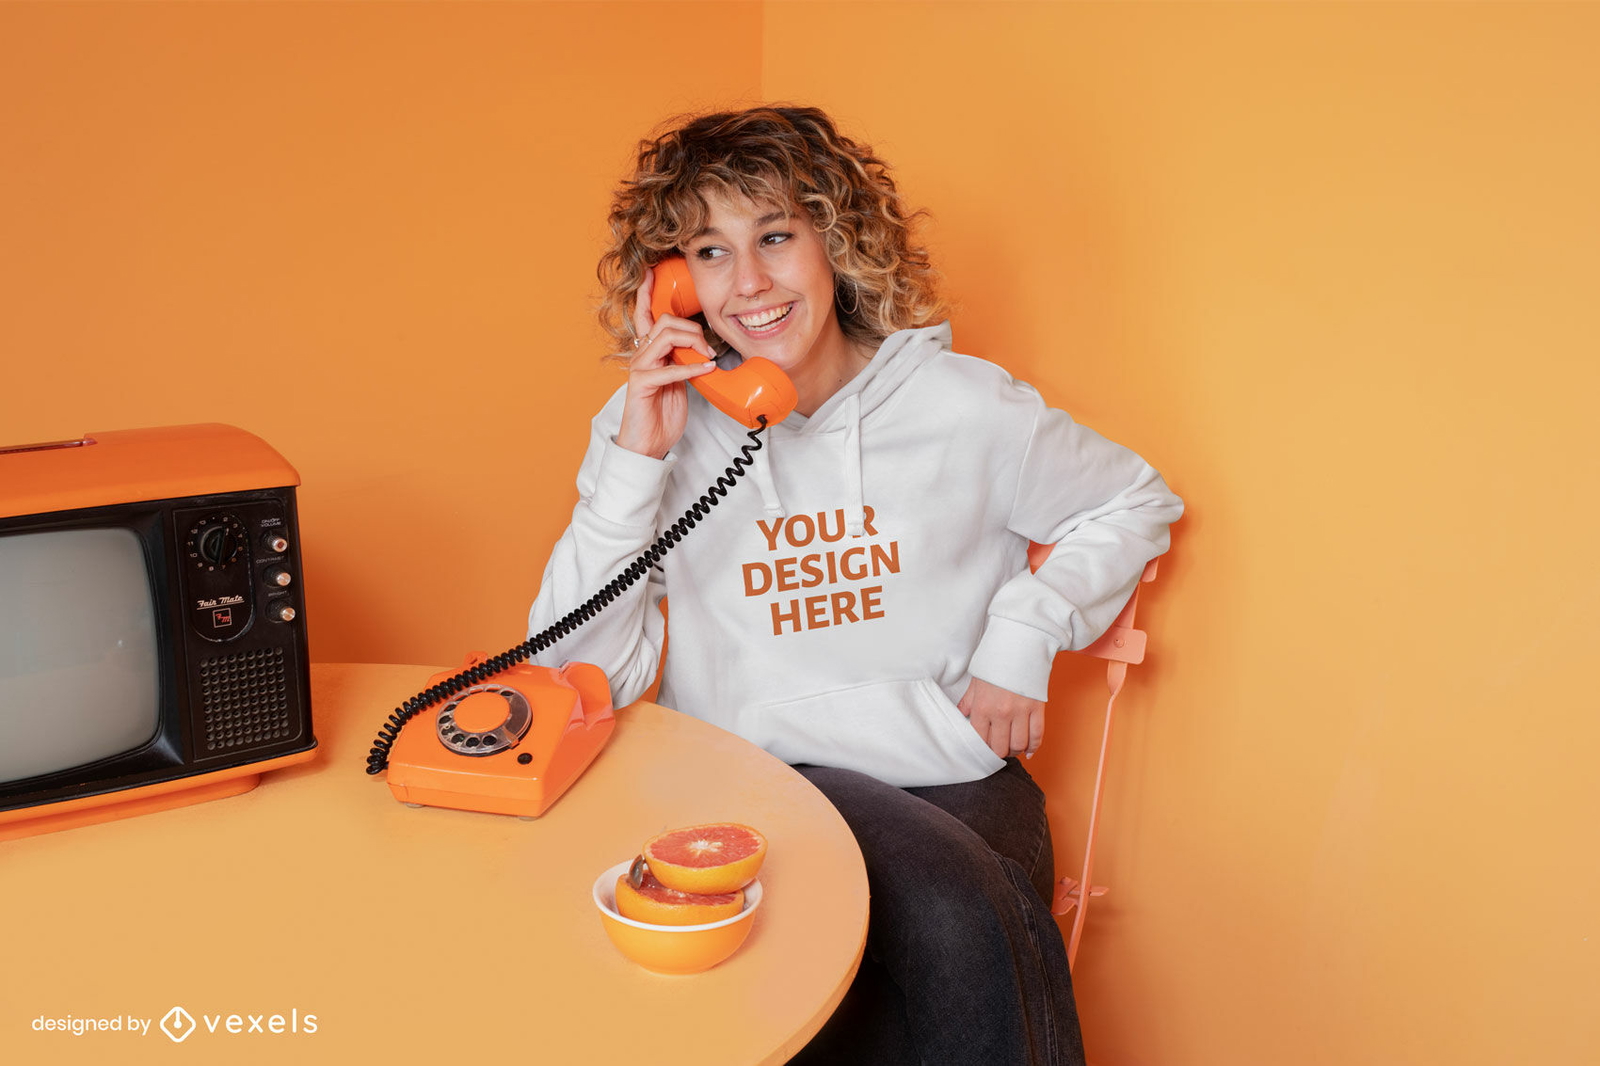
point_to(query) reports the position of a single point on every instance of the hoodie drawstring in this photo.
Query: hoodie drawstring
(856, 508)
(760, 471)
(763, 477)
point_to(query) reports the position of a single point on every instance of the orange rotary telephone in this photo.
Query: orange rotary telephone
(513, 745)
(752, 391)
(507, 746)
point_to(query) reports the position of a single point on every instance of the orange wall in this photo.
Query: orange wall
(1331, 267)
(366, 233)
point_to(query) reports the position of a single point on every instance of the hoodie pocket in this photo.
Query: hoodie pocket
(905, 733)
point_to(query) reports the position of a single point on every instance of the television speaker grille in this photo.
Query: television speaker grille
(246, 699)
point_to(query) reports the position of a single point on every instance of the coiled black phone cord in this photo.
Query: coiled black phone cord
(378, 758)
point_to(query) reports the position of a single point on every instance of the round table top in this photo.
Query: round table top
(324, 920)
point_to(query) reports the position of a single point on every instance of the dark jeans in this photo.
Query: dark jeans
(965, 965)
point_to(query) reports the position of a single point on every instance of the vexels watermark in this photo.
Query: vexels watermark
(178, 1025)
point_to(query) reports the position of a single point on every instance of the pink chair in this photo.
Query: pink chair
(1121, 645)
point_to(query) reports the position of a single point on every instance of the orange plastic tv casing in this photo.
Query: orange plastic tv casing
(751, 392)
(134, 465)
(131, 466)
(146, 799)
(572, 720)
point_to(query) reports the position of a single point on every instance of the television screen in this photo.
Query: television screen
(79, 666)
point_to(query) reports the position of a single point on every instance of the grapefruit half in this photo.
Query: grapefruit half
(707, 859)
(657, 904)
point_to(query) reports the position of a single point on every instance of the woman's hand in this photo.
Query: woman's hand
(1010, 724)
(656, 407)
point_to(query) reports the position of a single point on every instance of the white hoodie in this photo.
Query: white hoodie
(835, 605)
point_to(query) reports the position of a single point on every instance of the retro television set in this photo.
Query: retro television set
(152, 624)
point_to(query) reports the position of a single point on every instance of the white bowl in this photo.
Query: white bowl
(674, 949)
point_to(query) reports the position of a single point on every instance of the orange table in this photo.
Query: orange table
(421, 935)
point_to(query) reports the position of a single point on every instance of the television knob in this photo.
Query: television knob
(276, 543)
(216, 542)
(280, 577)
(283, 613)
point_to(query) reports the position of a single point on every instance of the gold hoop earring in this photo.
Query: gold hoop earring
(855, 303)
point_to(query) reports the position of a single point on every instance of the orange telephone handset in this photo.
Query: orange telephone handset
(752, 391)
(508, 745)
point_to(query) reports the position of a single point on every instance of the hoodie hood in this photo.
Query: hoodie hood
(899, 356)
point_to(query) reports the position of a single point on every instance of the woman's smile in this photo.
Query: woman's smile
(766, 322)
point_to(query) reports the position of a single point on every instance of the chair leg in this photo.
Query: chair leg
(1084, 888)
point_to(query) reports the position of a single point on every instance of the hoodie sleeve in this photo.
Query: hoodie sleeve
(1106, 513)
(619, 497)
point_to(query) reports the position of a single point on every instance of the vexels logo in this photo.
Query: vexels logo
(178, 1024)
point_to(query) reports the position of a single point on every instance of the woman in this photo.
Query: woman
(863, 609)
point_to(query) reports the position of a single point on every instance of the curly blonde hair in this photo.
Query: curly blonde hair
(791, 157)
